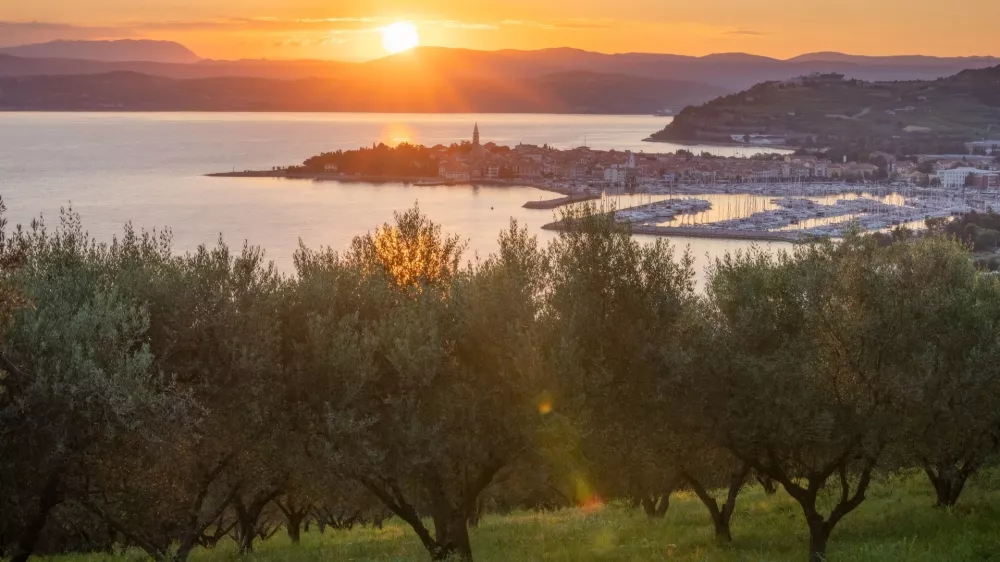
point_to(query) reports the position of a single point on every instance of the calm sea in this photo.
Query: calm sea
(148, 169)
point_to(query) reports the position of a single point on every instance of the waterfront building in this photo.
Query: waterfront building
(615, 174)
(988, 180)
(851, 170)
(458, 172)
(959, 177)
(620, 175)
(527, 168)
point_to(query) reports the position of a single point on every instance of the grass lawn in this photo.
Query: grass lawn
(896, 522)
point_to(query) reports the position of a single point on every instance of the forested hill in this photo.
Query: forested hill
(900, 117)
(565, 92)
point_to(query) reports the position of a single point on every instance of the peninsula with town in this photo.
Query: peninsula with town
(807, 193)
(849, 155)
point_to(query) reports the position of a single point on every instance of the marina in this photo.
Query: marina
(802, 212)
(663, 210)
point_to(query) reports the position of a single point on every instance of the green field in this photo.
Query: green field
(896, 522)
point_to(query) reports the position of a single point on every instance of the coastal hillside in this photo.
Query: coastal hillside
(831, 111)
(108, 51)
(571, 92)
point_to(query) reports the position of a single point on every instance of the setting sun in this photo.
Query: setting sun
(400, 36)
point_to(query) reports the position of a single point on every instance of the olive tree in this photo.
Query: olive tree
(808, 369)
(215, 331)
(429, 369)
(953, 413)
(616, 319)
(78, 373)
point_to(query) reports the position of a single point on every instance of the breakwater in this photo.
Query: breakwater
(560, 201)
(705, 232)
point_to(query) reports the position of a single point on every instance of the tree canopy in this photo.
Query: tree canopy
(167, 401)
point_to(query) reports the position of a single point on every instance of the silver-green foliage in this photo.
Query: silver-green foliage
(828, 358)
(79, 372)
(426, 378)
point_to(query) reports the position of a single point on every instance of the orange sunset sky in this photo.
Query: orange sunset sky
(337, 29)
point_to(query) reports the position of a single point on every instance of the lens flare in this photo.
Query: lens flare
(545, 403)
(545, 408)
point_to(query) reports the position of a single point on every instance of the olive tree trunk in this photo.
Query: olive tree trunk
(34, 525)
(948, 482)
(722, 515)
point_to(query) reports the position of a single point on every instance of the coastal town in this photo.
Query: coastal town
(583, 167)
(796, 195)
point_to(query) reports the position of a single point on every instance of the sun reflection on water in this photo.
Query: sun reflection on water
(398, 133)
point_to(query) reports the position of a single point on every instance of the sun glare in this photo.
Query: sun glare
(400, 36)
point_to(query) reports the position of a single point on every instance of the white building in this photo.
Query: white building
(957, 177)
(620, 174)
(330, 168)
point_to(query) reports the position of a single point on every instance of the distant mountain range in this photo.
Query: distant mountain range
(731, 71)
(109, 51)
(568, 92)
(563, 80)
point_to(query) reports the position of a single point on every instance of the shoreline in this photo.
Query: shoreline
(725, 144)
(415, 181)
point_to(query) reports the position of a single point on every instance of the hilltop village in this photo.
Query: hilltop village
(582, 167)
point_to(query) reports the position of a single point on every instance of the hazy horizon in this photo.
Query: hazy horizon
(382, 55)
(309, 29)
